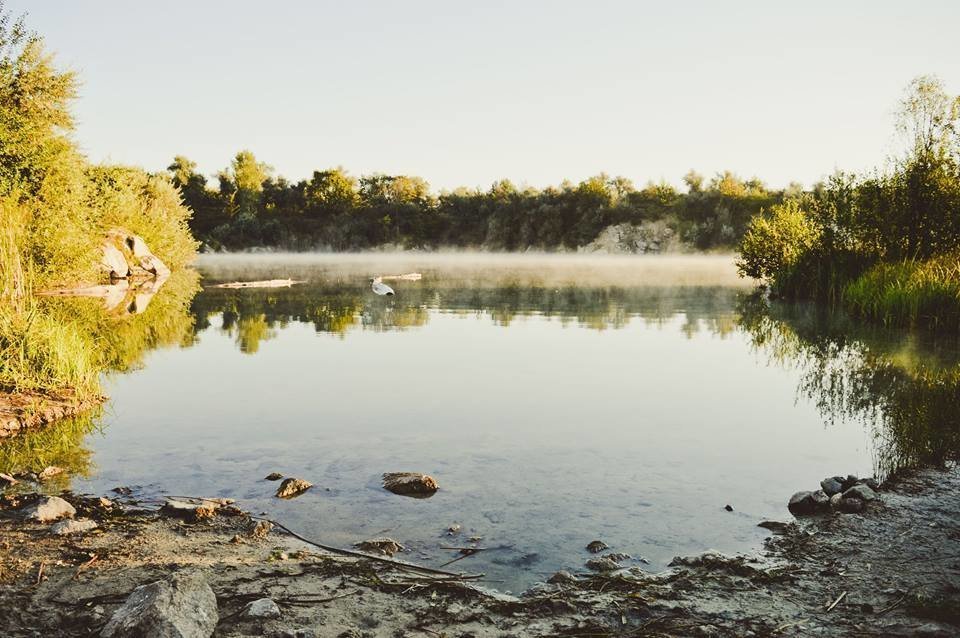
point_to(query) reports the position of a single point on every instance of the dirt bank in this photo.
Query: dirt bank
(23, 411)
(891, 571)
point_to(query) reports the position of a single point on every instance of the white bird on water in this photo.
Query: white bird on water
(380, 288)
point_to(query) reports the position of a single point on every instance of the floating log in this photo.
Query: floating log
(268, 283)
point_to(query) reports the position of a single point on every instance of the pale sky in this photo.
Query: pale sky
(464, 93)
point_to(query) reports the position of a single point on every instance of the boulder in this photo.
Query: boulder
(832, 485)
(410, 483)
(835, 501)
(293, 487)
(850, 481)
(137, 246)
(273, 476)
(802, 504)
(820, 500)
(861, 492)
(262, 608)
(182, 606)
(71, 526)
(48, 509)
(112, 262)
(154, 266)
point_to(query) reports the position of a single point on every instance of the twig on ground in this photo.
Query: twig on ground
(837, 601)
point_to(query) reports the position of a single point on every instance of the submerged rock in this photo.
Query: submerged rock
(595, 547)
(385, 546)
(777, 527)
(293, 487)
(70, 526)
(182, 606)
(602, 564)
(410, 483)
(273, 476)
(48, 509)
(262, 608)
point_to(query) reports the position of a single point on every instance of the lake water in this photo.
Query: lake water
(557, 400)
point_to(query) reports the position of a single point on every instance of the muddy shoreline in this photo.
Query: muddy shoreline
(893, 570)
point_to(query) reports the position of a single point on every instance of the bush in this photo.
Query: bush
(776, 241)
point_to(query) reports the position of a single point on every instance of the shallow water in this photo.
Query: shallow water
(556, 400)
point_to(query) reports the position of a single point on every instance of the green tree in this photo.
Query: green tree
(775, 242)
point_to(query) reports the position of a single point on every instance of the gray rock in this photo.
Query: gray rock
(273, 476)
(293, 487)
(262, 608)
(871, 483)
(410, 483)
(182, 606)
(850, 481)
(820, 500)
(48, 509)
(832, 485)
(802, 504)
(190, 511)
(71, 526)
(861, 492)
(835, 501)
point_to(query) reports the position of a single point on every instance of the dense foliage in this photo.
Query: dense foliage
(334, 210)
(55, 208)
(887, 244)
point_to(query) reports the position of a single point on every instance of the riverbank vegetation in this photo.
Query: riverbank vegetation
(887, 244)
(55, 209)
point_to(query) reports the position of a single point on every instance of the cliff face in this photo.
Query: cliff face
(630, 239)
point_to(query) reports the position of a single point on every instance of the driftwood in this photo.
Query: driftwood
(410, 276)
(267, 283)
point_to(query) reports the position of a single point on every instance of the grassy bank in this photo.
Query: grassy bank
(55, 211)
(916, 293)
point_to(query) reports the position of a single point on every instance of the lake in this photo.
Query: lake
(557, 400)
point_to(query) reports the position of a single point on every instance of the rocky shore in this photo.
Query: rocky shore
(80, 565)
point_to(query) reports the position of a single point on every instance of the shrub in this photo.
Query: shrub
(776, 241)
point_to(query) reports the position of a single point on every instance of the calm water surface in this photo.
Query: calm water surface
(557, 401)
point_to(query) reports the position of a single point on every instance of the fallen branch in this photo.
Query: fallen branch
(837, 601)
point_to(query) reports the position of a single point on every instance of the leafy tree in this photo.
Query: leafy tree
(775, 242)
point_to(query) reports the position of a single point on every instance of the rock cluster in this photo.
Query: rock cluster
(845, 494)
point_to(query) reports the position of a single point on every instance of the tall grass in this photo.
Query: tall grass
(910, 293)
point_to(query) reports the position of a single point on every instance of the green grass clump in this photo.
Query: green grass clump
(910, 293)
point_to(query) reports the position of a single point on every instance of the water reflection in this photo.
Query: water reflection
(904, 387)
(649, 391)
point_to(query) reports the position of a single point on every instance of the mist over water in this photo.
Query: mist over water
(557, 400)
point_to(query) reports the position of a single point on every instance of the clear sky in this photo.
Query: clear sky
(463, 93)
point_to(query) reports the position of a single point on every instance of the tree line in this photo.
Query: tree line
(249, 206)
